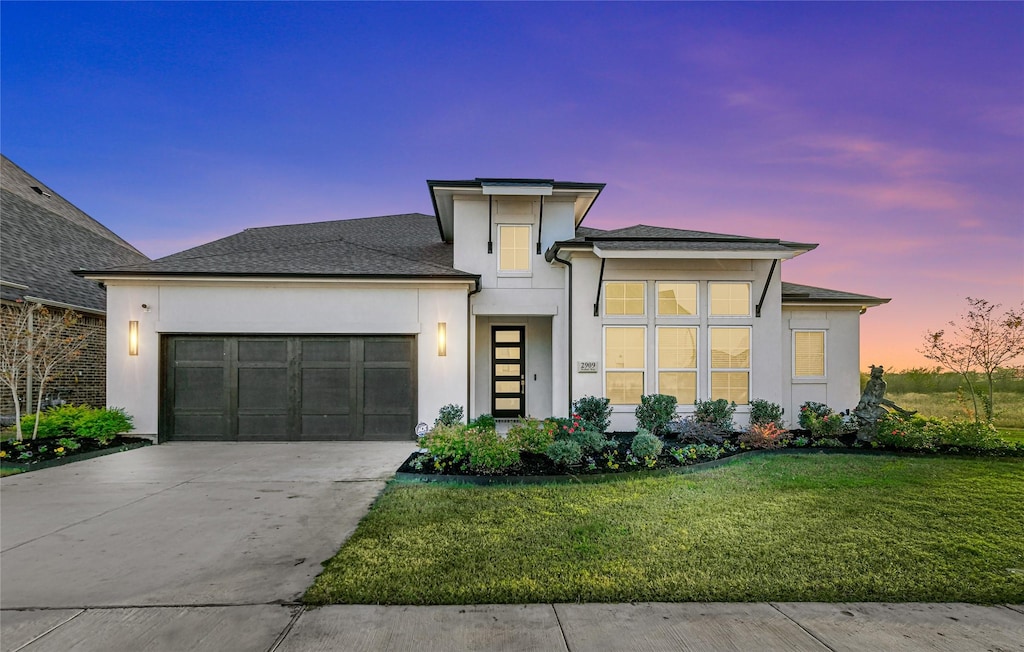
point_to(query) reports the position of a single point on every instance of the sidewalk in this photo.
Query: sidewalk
(697, 627)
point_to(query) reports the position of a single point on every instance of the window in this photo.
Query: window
(730, 364)
(624, 299)
(624, 353)
(729, 299)
(677, 363)
(808, 354)
(513, 248)
(677, 299)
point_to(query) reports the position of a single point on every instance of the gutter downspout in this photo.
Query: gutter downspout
(600, 280)
(469, 348)
(568, 266)
(540, 224)
(764, 293)
(490, 226)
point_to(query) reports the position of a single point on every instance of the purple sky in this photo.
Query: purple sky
(892, 134)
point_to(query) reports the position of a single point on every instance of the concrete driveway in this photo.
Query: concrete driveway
(184, 524)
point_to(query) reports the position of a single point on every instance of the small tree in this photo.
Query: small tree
(41, 340)
(978, 340)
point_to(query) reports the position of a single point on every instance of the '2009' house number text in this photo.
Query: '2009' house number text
(588, 366)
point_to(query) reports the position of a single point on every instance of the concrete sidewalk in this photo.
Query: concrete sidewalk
(697, 627)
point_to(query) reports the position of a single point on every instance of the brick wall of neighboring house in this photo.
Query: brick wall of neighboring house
(82, 380)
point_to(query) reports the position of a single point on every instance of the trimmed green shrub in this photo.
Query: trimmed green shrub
(812, 409)
(718, 412)
(595, 413)
(97, 423)
(655, 412)
(590, 442)
(484, 422)
(645, 445)
(763, 412)
(447, 442)
(490, 452)
(104, 424)
(56, 421)
(449, 415)
(532, 435)
(565, 452)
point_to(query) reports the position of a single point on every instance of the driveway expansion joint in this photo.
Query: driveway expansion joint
(805, 630)
(1019, 608)
(52, 629)
(561, 630)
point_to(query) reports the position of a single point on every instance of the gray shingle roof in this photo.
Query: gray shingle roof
(44, 239)
(405, 246)
(794, 293)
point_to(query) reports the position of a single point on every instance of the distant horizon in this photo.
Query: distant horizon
(891, 134)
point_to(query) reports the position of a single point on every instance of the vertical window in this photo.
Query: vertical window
(729, 299)
(624, 299)
(513, 248)
(676, 299)
(624, 353)
(677, 363)
(808, 354)
(730, 364)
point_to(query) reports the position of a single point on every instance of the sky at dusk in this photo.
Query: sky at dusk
(891, 134)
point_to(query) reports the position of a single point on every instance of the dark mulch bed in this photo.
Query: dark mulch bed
(29, 453)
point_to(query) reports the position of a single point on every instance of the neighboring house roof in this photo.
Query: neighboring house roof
(793, 293)
(44, 238)
(390, 246)
(644, 238)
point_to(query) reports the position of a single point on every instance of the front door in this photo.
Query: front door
(508, 355)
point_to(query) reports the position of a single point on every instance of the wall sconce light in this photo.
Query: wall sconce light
(442, 338)
(133, 338)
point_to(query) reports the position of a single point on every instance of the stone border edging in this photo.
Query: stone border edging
(68, 459)
(485, 480)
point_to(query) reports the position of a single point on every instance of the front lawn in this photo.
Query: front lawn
(789, 528)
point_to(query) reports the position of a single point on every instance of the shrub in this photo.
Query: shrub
(695, 453)
(484, 422)
(812, 409)
(531, 435)
(565, 452)
(655, 412)
(904, 433)
(645, 445)
(449, 415)
(595, 413)
(104, 424)
(689, 430)
(56, 421)
(766, 436)
(447, 443)
(763, 412)
(718, 412)
(490, 452)
(590, 442)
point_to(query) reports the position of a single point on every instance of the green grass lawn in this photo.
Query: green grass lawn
(794, 528)
(1009, 406)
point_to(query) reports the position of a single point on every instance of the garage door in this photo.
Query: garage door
(288, 388)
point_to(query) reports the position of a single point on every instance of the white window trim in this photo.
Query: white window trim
(606, 370)
(696, 315)
(696, 369)
(748, 369)
(824, 353)
(629, 318)
(750, 299)
(529, 251)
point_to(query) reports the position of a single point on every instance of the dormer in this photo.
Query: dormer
(501, 227)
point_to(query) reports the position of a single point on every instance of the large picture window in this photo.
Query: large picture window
(677, 299)
(808, 354)
(513, 248)
(677, 363)
(624, 354)
(730, 299)
(730, 364)
(624, 299)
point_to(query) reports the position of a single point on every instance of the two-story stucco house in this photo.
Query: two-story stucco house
(501, 301)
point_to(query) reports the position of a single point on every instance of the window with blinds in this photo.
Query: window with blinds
(730, 364)
(808, 354)
(624, 355)
(677, 363)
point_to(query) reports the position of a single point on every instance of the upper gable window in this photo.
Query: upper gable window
(514, 248)
(677, 299)
(730, 299)
(624, 299)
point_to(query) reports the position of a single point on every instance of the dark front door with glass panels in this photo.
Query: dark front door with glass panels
(508, 355)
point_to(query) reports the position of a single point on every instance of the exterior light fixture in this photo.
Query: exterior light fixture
(442, 338)
(133, 338)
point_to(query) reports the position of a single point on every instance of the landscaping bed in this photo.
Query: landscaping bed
(32, 455)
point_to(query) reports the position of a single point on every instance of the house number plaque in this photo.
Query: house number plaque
(588, 367)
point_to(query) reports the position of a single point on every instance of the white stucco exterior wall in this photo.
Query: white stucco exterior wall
(286, 307)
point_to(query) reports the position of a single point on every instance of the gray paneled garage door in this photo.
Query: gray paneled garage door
(288, 388)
